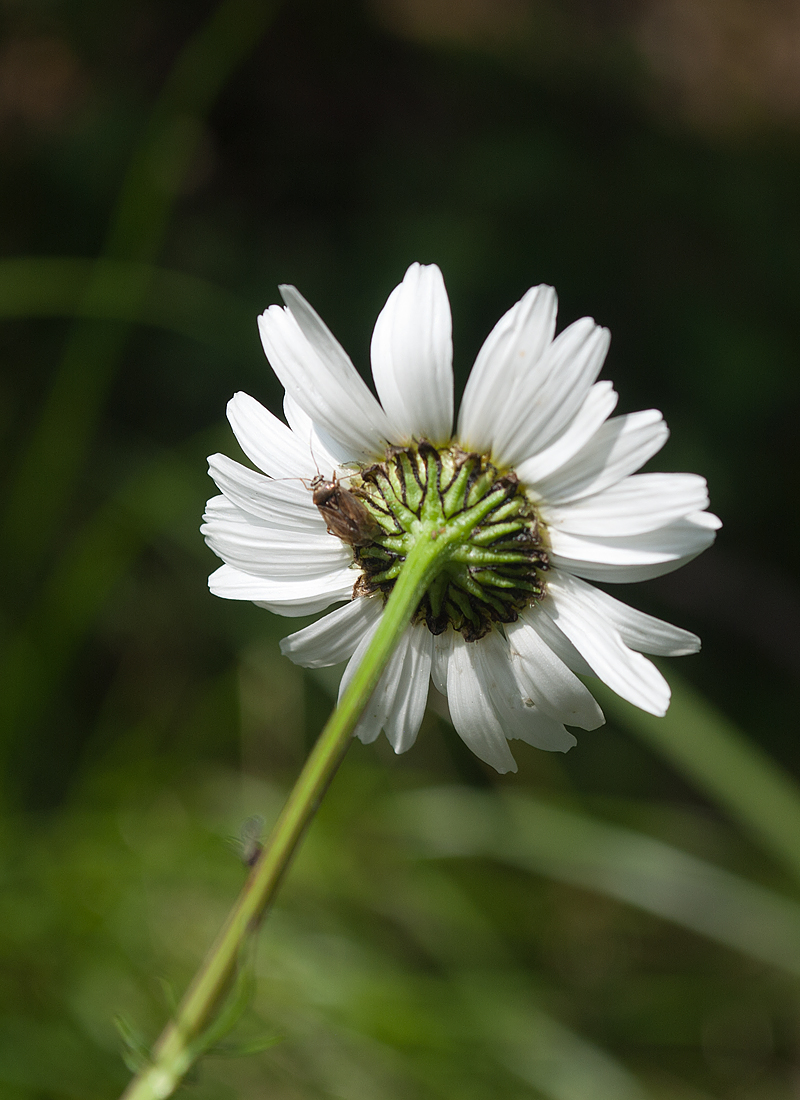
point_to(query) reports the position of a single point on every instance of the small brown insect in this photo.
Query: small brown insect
(344, 514)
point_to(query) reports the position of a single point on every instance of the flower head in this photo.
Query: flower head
(535, 494)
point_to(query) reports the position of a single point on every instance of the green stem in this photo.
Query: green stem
(178, 1045)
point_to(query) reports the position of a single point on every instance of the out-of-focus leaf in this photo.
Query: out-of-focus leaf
(541, 1051)
(637, 869)
(245, 1048)
(33, 286)
(34, 659)
(60, 442)
(135, 1054)
(231, 1009)
(707, 748)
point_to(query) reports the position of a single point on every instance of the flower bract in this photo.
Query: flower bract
(535, 489)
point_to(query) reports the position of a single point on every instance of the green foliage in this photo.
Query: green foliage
(618, 924)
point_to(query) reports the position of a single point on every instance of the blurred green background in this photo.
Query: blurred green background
(622, 923)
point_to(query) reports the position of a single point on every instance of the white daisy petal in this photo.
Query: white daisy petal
(627, 673)
(473, 715)
(412, 357)
(408, 707)
(641, 632)
(544, 409)
(636, 557)
(511, 351)
(618, 448)
(267, 441)
(520, 715)
(275, 552)
(323, 383)
(278, 503)
(398, 702)
(294, 597)
(374, 714)
(557, 640)
(543, 676)
(638, 504)
(598, 405)
(534, 727)
(335, 637)
(297, 607)
(320, 338)
(220, 508)
(442, 648)
(623, 574)
(321, 447)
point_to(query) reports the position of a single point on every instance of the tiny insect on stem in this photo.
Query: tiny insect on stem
(344, 514)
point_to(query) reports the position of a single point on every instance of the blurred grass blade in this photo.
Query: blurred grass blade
(33, 286)
(541, 1051)
(708, 749)
(40, 493)
(38, 655)
(235, 1003)
(135, 1052)
(620, 863)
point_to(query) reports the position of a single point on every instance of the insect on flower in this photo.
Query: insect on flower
(344, 514)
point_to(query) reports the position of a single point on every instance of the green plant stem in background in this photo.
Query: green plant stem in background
(40, 492)
(182, 1041)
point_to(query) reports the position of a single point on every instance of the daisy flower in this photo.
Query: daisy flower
(536, 492)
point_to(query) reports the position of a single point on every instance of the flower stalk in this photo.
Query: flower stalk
(181, 1042)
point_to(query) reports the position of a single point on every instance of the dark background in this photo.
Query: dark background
(640, 156)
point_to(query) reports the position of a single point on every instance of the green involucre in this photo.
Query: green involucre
(496, 551)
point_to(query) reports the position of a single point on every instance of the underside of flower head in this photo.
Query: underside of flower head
(535, 493)
(495, 561)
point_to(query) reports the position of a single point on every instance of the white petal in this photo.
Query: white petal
(557, 641)
(536, 728)
(286, 597)
(319, 336)
(637, 557)
(274, 552)
(627, 673)
(641, 632)
(511, 351)
(408, 708)
(297, 607)
(598, 405)
(520, 715)
(267, 441)
(618, 448)
(638, 504)
(373, 715)
(333, 638)
(473, 715)
(398, 702)
(543, 676)
(544, 409)
(321, 378)
(279, 503)
(442, 648)
(412, 357)
(323, 449)
(220, 507)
